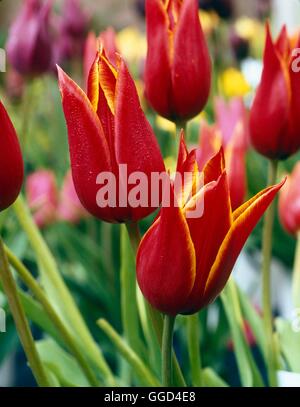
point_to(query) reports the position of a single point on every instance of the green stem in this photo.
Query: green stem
(193, 337)
(152, 314)
(166, 350)
(140, 369)
(296, 275)
(57, 322)
(21, 322)
(57, 288)
(130, 317)
(266, 280)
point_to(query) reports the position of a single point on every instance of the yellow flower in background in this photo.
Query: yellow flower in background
(232, 83)
(209, 21)
(247, 27)
(132, 44)
(170, 164)
(164, 124)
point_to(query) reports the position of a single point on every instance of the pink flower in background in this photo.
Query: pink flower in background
(75, 20)
(29, 45)
(70, 208)
(107, 40)
(228, 116)
(41, 193)
(211, 139)
(289, 202)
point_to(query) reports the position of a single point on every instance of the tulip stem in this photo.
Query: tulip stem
(296, 275)
(166, 350)
(152, 314)
(193, 336)
(266, 280)
(22, 325)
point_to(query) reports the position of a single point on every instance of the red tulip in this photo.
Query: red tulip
(178, 67)
(289, 202)
(275, 119)
(183, 263)
(29, 46)
(107, 129)
(11, 162)
(70, 208)
(41, 193)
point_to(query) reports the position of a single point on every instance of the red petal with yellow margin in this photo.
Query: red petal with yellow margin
(245, 221)
(208, 232)
(166, 262)
(135, 142)
(89, 150)
(191, 68)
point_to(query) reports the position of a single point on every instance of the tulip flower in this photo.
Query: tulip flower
(70, 208)
(178, 67)
(107, 129)
(11, 162)
(289, 202)
(29, 46)
(274, 118)
(41, 193)
(108, 40)
(184, 262)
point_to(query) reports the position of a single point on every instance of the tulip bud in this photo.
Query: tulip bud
(274, 117)
(29, 46)
(107, 132)
(11, 162)
(184, 262)
(289, 202)
(41, 193)
(178, 67)
(70, 208)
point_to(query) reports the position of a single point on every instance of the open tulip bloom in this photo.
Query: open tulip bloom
(107, 128)
(183, 262)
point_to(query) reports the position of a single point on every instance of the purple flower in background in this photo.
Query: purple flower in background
(29, 45)
(75, 20)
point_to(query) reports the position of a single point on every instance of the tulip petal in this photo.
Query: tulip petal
(235, 240)
(11, 162)
(89, 149)
(157, 70)
(135, 142)
(214, 167)
(191, 68)
(269, 113)
(208, 232)
(209, 144)
(166, 262)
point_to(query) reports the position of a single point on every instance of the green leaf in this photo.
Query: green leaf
(211, 379)
(254, 319)
(61, 364)
(249, 373)
(289, 342)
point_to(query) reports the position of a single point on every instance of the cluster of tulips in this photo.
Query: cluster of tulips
(182, 262)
